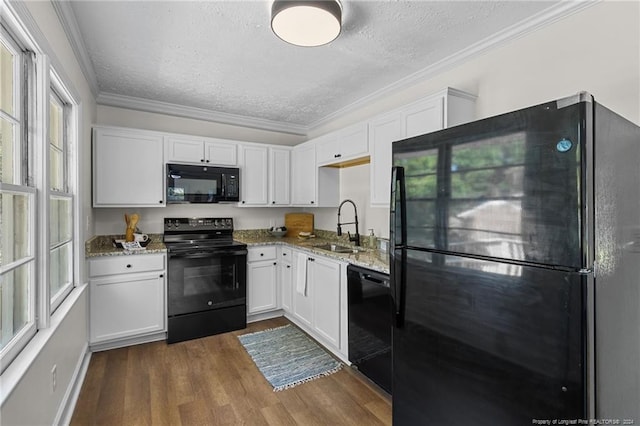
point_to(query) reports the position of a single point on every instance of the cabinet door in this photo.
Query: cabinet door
(124, 306)
(304, 175)
(286, 281)
(262, 290)
(353, 141)
(303, 303)
(344, 145)
(424, 117)
(325, 278)
(128, 169)
(254, 175)
(221, 152)
(382, 133)
(280, 176)
(328, 149)
(185, 150)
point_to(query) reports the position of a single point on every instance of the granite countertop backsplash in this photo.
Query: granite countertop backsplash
(102, 245)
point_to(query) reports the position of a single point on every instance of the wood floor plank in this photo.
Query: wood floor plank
(213, 381)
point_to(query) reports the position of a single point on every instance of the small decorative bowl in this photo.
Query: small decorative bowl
(278, 233)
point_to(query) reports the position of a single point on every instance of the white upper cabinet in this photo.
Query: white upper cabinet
(344, 145)
(280, 176)
(128, 168)
(312, 185)
(303, 173)
(265, 175)
(191, 149)
(221, 152)
(382, 132)
(446, 108)
(254, 177)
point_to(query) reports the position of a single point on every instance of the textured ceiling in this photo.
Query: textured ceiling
(222, 56)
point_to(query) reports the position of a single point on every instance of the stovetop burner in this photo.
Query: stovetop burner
(199, 233)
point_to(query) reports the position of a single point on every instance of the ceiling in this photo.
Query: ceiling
(219, 60)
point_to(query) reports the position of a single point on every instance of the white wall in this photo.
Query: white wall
(111, 221)
(26, 394)
(597, 50)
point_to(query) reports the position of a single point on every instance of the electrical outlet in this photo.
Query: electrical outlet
(54, 378)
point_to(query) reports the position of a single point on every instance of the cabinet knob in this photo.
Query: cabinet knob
(261, 254)
(288, 266)
(275, 263)
(311, 259)
(207, 161)
(284, 254)
(202, 160)
(161, 275)
(243, 202)
(337, 156)
(312, 202)
(273, 202)
(160, 201)
(129, 266)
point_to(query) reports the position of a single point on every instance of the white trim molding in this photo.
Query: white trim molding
(140, 104)
(67, 18)
(548, 16)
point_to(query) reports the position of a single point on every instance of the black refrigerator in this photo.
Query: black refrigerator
(515, 269)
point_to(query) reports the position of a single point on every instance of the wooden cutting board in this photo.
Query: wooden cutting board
(298, 222)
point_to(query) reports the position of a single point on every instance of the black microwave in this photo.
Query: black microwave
(202, 184)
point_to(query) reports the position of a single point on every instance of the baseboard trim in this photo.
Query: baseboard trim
(264, 316)
(121, 343)
(68, 404)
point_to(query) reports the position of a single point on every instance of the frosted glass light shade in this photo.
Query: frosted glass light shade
(306, 23)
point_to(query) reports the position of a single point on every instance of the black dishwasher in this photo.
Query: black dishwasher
(370, 308)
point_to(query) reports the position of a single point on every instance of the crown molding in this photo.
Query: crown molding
(36, 40)
(520, 29)
(67, 19)
(146, 105)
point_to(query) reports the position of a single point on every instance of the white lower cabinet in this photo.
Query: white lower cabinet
(325, 278)
(262, 279)
(127, 299)
(319, 309)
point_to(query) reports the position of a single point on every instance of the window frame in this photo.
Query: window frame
(62, 96)
(19, 185)
(39, 76)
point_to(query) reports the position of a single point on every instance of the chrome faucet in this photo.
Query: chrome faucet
(355, 238)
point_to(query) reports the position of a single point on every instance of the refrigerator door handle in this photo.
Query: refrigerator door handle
(397, 258)
(398, 214)
(398, 268)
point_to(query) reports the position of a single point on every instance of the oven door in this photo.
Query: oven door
(205, 280)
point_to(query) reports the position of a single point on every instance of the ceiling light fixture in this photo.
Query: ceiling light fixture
(306, 23)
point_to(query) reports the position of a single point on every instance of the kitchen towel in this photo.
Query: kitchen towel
(301, 274)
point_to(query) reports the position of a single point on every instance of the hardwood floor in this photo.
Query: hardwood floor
(213, 381)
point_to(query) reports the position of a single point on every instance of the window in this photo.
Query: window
(38, 175)
(17, 210)
(60, 203)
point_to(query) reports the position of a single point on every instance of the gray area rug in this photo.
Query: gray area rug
(286, 357)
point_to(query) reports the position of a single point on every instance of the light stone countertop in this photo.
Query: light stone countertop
(365, 257)
(102, 245)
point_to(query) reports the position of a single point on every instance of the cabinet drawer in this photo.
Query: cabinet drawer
(287, 254)
(261, 253)
(126, 264)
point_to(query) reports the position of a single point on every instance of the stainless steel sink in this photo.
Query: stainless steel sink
(336, 248)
